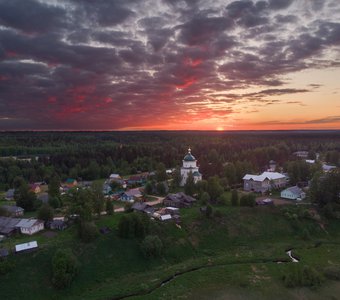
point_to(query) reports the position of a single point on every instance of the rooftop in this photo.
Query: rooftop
(264, 175)
(189, 156)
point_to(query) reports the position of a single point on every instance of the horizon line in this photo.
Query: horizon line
(170, 130)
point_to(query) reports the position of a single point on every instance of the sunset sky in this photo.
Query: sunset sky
(169, 64)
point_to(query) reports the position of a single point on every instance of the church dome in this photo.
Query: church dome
(189, 156)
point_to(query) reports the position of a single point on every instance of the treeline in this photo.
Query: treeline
(93, 155)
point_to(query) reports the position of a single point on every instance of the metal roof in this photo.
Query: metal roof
(264, 175)
(26, 246)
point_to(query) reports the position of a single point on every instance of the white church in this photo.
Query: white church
(190, 165)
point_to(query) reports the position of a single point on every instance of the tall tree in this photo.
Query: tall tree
(161, 172)
(234, 198)
(98, 198)
(45, 213)
(176, 178)
(25, 198)
(109, 207)
(189, 187)
(214, 188)
(54, 186)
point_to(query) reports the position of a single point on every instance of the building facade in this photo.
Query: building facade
(293, 193)
(264, 182)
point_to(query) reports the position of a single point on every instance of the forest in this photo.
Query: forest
(38, 156)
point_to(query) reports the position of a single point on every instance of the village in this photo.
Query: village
(136, 193)
(122, 208)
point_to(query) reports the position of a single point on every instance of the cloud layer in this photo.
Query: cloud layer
(119, 64)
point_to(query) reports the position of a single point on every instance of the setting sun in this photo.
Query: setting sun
(219, 128)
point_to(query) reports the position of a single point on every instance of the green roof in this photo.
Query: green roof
(189, 157)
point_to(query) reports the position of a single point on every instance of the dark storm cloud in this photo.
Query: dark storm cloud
(30, 16)
(279, 4)
(248, 13)
(113, 64)
(103, 12)
(201, 30)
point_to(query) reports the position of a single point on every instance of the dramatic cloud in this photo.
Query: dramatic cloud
(104, 64)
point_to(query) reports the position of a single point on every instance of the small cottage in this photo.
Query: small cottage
(13, 211)
(179, 200)
(30, 226)
(131, 195)
(293, 193)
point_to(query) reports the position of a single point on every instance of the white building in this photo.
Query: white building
(190, 165)
(293, 193)
(264, 182)
(327, 168)
(30, 226)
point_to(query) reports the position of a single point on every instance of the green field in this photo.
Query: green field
(232, 255)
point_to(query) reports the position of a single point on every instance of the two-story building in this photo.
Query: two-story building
(264, 182)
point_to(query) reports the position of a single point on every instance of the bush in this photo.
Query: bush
(205, 198)
(248, 200)
(234, 198)
(152, 246)
(332, 272)
(128, 207)
(299, 276)
(223, 199)
(133, 225)
(64, 268)
(45, 213)
(109, 207)
(208, 211)
(218, 214)
(88, 231)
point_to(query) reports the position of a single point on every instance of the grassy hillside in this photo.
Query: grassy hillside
(232, 254)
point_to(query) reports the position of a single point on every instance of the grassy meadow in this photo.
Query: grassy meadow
(232, 255)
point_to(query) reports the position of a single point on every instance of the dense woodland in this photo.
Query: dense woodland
(93, 155)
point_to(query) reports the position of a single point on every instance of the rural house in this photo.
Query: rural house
(30, 226)
(179, 200)
(293, 193)
(131, 195)
(13, 211)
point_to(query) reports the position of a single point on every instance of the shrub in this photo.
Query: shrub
(248, 200)
(88, 231)
(217, 214)
(332, 272)
(109, 207)
(234, 198)
(128, 207)
(133, 225)
(299, 276)
(64, 268)
(208, 211)
(152, 246)
(45, 213)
